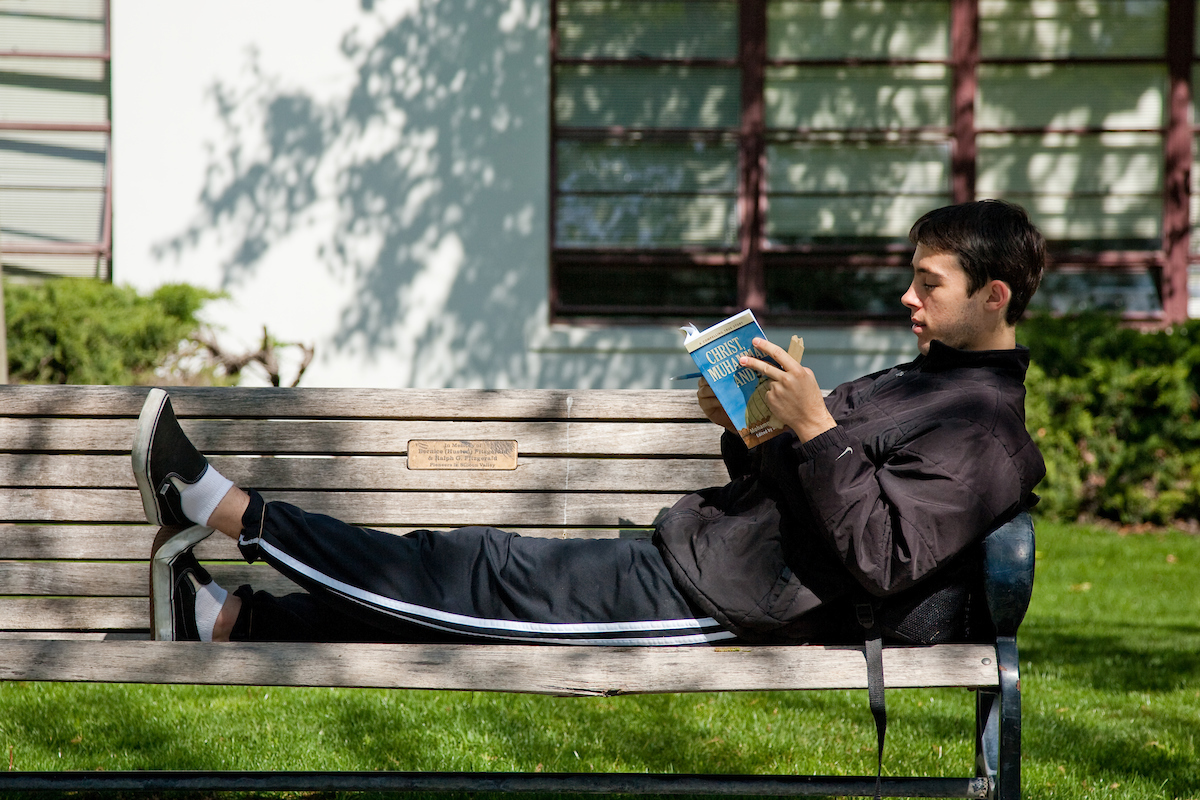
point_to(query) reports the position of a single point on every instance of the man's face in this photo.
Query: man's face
(939, 305)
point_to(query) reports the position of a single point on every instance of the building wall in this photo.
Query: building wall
(371, 178)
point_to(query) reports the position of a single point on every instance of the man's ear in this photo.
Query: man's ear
(999, 294)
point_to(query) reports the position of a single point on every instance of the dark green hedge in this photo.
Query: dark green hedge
(1114, 411)
(78, 330)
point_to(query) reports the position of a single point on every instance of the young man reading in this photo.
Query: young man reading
(877, 490)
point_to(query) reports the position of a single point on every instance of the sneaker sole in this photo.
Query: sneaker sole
(146, 425)
(168, 544)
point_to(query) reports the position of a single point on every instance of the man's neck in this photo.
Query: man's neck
(994, 334)
(1003, 338)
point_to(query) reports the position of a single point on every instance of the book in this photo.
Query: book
(716, 351)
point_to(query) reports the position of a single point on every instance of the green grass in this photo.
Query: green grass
(1110, 673)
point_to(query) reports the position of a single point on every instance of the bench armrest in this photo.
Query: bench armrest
(1008, 558)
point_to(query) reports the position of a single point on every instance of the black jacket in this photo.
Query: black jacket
(925, 459)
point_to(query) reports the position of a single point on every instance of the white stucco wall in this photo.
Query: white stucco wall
(372, 181)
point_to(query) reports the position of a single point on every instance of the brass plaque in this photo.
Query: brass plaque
(462, 454)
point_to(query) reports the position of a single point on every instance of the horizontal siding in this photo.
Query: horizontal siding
(56, 26)
(74, 266)
(53, 90)
(51, 216)
(67, 159)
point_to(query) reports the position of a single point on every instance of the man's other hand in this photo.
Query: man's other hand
(712, 407)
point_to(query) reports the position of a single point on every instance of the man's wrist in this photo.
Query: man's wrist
(811, 430)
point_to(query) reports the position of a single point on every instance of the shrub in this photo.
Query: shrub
(1114, 412)
(79, 330)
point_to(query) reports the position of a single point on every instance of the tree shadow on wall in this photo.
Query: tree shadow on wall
(426, 181)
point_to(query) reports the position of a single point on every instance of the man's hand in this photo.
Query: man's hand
(793, 394)
(712, 407)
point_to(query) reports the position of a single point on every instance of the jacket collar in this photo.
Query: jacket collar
(943, 357)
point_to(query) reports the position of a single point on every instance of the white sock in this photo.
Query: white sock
(209, 599)
(200, 499)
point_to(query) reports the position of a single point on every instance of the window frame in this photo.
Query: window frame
(752, 256)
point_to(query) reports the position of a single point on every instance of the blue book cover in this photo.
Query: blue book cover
(740, 389)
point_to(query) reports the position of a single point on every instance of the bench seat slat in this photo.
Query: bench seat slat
(418, 509)
(564, 671)
(381, 472)
(368, 437)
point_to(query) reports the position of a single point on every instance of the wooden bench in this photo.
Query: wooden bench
(74, 546)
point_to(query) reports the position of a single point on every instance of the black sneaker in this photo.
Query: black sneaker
(161, 450)
(175, 578)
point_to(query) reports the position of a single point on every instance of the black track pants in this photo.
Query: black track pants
(479, 583)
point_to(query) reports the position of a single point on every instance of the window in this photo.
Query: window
(647, 110)
(55, 166)
(710, 155)
(1070, 115)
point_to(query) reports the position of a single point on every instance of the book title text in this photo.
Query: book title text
(724, 358)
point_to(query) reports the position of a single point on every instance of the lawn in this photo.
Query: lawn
(1110, 674)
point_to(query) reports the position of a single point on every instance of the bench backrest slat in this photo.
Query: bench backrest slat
(102, 615)
(362, 437)
(117, 579)
(264, 403)
(423, 509)
(390, 473)
(93, 542)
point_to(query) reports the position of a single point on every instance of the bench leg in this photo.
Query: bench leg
(1008, 785)
(998, 726)
(987, 734)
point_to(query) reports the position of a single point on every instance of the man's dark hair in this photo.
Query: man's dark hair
(993, 240)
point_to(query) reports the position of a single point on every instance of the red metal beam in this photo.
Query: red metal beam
(106, 225)
(106, 233)
(752, 52)
(552, 177)
(1177, 152)
(964, 55)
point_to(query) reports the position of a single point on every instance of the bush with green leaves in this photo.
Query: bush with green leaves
(1114, 411)
(79, 330)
